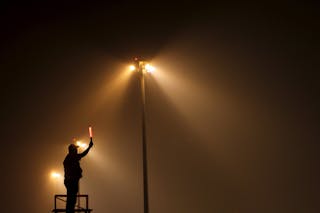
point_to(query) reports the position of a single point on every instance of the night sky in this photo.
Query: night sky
(232, 109)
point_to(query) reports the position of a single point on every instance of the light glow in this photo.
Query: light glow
(90, 131)
(132, 68)
(150, 68)
(55, 175)
(81, 145)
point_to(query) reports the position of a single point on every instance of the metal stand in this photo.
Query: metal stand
(60, 197)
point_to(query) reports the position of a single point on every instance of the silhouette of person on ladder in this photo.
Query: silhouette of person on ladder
(72, 174)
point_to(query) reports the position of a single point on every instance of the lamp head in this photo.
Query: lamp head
(141, 66)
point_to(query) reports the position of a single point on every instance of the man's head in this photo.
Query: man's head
(73, 149)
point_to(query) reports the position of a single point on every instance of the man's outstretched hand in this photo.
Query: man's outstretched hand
(91, 143)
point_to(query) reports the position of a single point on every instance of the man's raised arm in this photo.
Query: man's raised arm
(85, 152)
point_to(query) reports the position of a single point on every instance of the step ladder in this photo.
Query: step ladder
(63, 198)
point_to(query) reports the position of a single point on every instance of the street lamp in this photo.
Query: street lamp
(81, 145)
(55, 175)
(143, 67)
(56, 178)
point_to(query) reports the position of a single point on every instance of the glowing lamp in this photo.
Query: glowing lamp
(150, 68)
(55, 175)
(132, 68)
(80, 144)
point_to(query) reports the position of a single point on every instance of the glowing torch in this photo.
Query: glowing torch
(90, 132)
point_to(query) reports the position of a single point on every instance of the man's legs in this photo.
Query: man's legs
(72, 190)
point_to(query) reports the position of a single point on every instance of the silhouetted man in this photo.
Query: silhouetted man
(72, 174)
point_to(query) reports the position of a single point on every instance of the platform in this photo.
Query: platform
(60, 197)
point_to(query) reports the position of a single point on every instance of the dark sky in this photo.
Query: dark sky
(232, 110)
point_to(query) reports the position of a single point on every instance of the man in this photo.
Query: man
(72, 174)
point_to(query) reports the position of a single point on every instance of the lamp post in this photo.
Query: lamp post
(142, 67)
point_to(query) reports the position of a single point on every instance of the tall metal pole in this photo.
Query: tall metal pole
(144, 140)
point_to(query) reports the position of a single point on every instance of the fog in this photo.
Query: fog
(230, 121)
